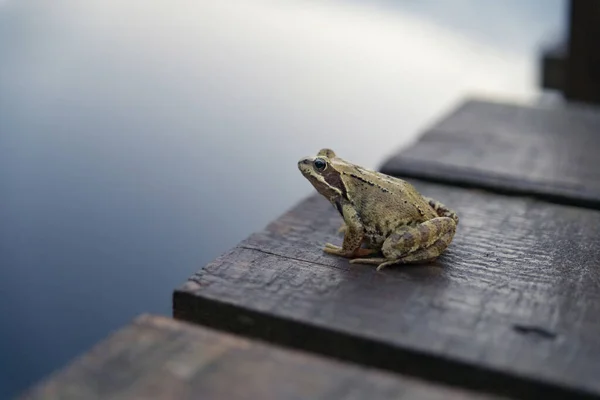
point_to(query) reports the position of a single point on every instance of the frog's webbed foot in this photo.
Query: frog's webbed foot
(339, 251)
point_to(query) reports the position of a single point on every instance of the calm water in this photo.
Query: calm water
(138, 142)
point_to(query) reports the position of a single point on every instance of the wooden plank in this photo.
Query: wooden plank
(159, 358)
(583, 61)
(512, 306)
(550, 153)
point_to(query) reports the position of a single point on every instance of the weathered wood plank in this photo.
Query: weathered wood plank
(512, 307)
(551, 153)
(159, 358)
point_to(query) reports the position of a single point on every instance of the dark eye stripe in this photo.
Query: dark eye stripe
(334, 179)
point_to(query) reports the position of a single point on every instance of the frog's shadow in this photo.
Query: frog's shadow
(423, 272)
(432, 271)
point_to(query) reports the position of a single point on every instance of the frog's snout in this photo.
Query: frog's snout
(303, 164)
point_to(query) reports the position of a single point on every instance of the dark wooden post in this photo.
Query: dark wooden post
(583, 60)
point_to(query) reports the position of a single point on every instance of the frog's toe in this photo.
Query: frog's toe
(388, 263)
(333, 249)
(373, 261)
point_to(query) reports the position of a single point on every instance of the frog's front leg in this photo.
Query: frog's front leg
(411, 244)
(353, 236)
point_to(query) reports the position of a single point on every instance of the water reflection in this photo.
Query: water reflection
(137, 142)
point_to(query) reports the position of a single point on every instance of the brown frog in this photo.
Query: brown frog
(384, 213)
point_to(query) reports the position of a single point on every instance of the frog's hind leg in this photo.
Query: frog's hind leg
(424, 255)
(411, 244)
(441, 209)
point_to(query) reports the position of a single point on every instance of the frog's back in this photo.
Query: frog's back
(391, 201)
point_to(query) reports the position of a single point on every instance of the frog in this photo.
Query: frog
(383, 215)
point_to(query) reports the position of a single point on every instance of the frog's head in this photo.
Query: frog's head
(323, 173)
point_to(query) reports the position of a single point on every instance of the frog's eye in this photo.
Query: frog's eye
(320, 164)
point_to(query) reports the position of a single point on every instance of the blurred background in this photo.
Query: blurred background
(139, 139)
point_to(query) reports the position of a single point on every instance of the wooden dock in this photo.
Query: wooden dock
(158, 357)
(510, 310)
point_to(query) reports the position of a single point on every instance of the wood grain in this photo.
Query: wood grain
(159, 358)
(511, 307)
(550, 153)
